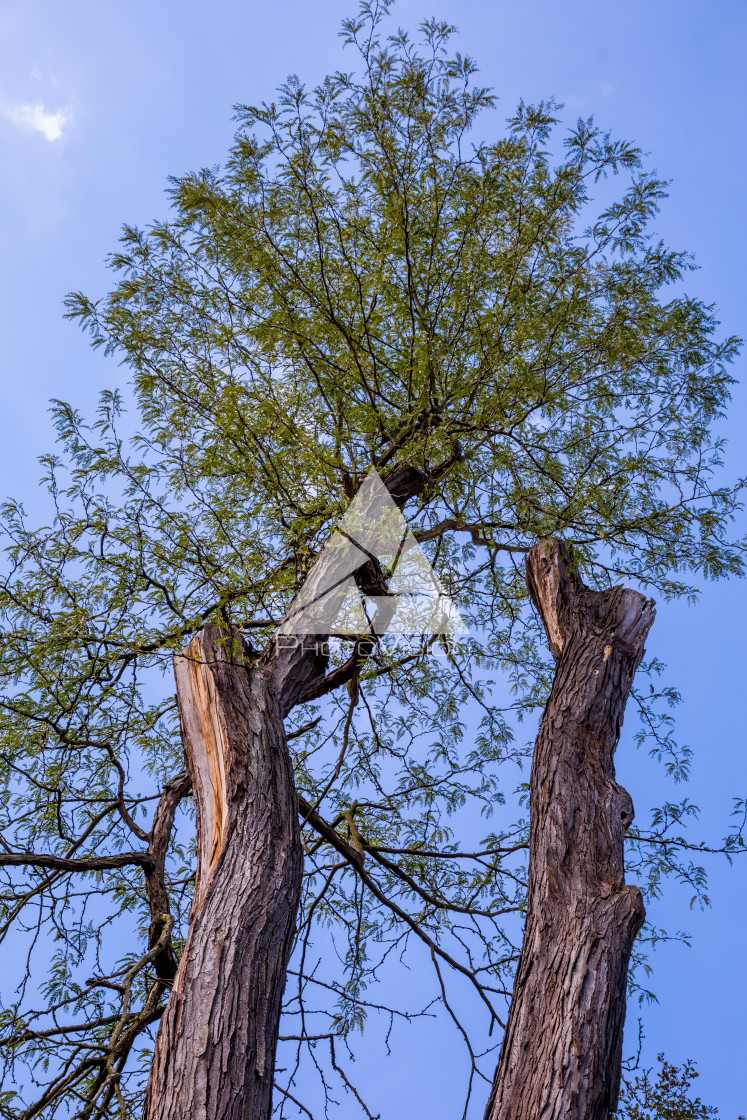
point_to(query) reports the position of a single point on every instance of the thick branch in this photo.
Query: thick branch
(299, 666)
(155, 882)
(85, 863)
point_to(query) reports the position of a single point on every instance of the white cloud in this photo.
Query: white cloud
(36, 117)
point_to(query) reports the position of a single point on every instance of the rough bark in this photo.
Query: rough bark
(215, 1050)
(561, 1054)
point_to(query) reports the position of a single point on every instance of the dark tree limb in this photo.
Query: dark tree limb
(299, 666)
(155, 881)
(356, 860)
(310, 815)
(84, 863)
(561, 1053)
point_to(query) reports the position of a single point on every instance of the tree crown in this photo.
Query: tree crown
(363, 284)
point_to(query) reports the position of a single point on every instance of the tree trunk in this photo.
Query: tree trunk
(215, 1051)
(561, 1054)
(214, 1057)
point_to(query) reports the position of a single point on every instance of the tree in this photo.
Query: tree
(358, 288)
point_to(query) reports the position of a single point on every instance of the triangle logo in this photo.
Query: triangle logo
(330, 602)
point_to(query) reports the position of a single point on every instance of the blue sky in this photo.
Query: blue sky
(100, 101)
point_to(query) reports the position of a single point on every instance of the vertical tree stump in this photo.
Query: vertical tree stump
(561, 1054)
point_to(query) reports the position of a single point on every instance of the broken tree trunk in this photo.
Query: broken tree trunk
(214, 1056)
(561, 1054)
(215, 1051)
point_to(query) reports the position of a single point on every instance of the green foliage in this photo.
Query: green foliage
(366, 282)
(666, 1096)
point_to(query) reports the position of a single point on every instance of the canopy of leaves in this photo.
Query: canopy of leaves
(365, 283)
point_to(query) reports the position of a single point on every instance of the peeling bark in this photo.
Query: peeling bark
(561, 1053)
(215, 1050)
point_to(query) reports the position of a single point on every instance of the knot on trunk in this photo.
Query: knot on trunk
(624, 806)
